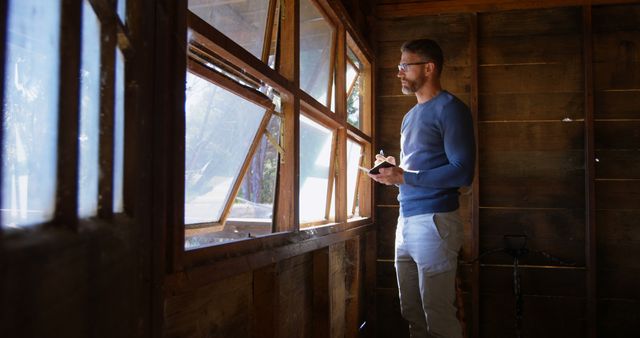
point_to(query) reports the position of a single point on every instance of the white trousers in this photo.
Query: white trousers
(426, 258)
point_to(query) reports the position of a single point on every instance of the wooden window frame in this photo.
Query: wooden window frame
(285, 79)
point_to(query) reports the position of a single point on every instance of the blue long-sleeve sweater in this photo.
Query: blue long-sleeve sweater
(438, 155)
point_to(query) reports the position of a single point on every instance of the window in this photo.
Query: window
(237, 127)
(354, 81)
(317, 53)
(316, 155)
(40, 129)
(30, 111)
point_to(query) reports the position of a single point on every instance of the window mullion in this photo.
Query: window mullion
(245, 165)
(332, 175)
(268, 30)
(107, 116)
(69, 114)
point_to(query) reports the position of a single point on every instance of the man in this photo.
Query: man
(437, 158)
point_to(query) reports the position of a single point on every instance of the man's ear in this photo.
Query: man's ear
(431, 67)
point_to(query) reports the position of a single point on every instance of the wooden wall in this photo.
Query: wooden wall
(523, 74)
(320, 293)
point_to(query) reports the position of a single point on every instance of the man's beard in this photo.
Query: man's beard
(411, 87)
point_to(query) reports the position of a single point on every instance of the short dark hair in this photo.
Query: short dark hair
(426, 48)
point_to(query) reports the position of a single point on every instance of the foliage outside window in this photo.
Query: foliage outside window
(354, 83)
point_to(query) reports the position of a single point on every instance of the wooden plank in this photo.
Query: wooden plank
(617, 105)
(531, 106)
(454, 49)
(386, 274)
(533, 136)
(569, 250)
(619, 74)
(218, 309)
(618, 255)
(495, 50)
(295, 277)
(618, 135)
(393, 9)
(386, 194)
(337, 290)
(617, 194)
(541, 224)
(265, 304)
(534, 281)
(353, 268)
(542, 316)
(618, 225)
(618, 283)
(532, 78)
(617, 45)
(409, 28)
(532, 164)
(321, 297)
(386, 221)
(389, 321)
(66, 207)
(370, 281)
(618, 164)
(619, 318)
(532, 192)
(548, 22)
(616, 18)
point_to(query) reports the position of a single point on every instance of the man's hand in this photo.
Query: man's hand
(388, 176)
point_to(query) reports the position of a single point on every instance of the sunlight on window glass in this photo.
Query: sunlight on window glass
(220, 127)
(257, 191)
(354, 81)
(354, 152)
(315, 157)
(122, 10)
(118, 156)
(89, 135)
(30, 119)
(316, 41)
(242, 21)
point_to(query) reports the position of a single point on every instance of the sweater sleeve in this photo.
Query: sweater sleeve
(460, 149)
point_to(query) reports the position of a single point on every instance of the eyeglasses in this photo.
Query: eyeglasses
(405, 66)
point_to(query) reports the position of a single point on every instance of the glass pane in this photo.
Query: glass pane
(122, 10)
(30, 118)
(89, 113)
(118, 156)
(220, 127)
(273, 48)
(242, 21)
(257, 191)
(354, 152)
(316, 40)
(354, 81)
(315, 155)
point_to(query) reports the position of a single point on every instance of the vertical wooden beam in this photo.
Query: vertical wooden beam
(287, 209)
(353, 261)
(475, 187)
(108, 40)
(69, 114)
(589, 157)
(341, 114)
(337, 290)
(370, 283)
(265, 302)
(321, 324)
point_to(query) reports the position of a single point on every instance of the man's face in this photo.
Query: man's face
(414, 77)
